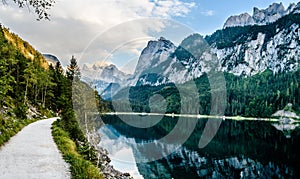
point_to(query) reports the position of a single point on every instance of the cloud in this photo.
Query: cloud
(76, 24)
(208, 13)
(172, 8)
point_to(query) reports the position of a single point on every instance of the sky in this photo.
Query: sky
(115, 31)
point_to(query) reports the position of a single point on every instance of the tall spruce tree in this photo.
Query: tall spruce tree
(73, 71)
(7, 80)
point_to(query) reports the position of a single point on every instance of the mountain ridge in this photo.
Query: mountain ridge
(104, 72)
(240, 50)
(274, 46)
(262, 16)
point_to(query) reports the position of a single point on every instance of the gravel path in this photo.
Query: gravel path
(32, 153)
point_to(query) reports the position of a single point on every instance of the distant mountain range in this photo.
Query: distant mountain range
(248, 45)
(262, 16)
(101, 75)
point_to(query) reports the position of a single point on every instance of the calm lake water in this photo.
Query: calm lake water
(240, 149)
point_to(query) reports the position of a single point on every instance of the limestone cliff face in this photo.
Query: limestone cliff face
(261, 16)
(239, 20)
(275, 47)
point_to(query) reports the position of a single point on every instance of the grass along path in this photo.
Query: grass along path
(32, 153)
(79, 166)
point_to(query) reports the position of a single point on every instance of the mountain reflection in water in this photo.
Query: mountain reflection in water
(240, 149)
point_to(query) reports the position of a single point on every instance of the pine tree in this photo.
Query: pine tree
(73, 71)
(6, 78)
(31, 79)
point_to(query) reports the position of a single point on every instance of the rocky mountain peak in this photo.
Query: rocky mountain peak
(162, 39)
(261, 16)
(102, 64)
(272, 9)
(110, 66)
(159, 50)
(102, 71)
(154, 45)
(268, 15)
(239, 20)
(85, 67)
(291, 7)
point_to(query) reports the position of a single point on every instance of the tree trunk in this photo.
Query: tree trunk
(44, 100)
(26, 88)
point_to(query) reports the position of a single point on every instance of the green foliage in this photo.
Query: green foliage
(80, 167)
(21, 110)
(9, 127)
(260, 95)
(70, 124)
(191, 47)
(263, 94)
(23, 47)
(25, 82)
(73, 72)
(67, 132)
(6, 63)
(139, 97)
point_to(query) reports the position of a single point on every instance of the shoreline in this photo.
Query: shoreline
(104, 160)
(112, 165)
(237, 118)
(120, 163)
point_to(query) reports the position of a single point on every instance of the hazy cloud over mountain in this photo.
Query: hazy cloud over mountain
(75, 24)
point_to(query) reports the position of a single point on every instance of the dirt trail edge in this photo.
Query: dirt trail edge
(32, 153)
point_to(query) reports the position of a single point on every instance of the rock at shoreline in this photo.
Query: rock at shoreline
(286, 113)
(107, 170)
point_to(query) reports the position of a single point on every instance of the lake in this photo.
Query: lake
(240, 149)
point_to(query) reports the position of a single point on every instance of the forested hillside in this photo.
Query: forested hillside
(30, 90)
(259, 63)
(25, 78)
(258, 96)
